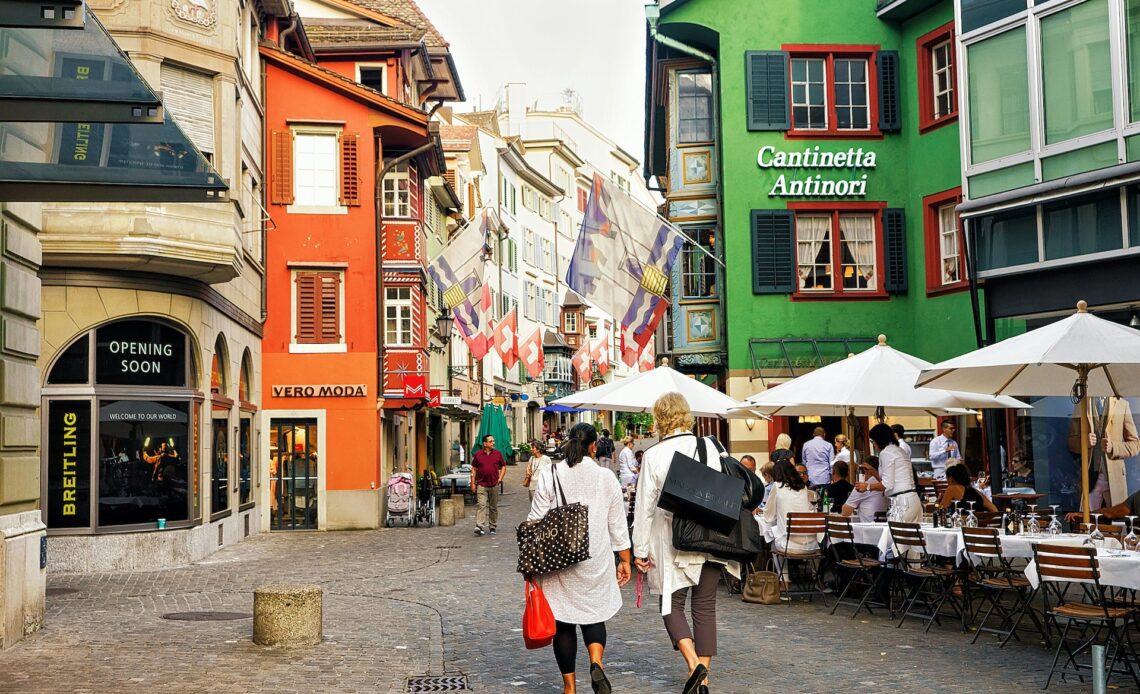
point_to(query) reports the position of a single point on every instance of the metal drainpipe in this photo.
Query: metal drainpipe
(652, 17)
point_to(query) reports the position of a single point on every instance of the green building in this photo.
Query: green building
(815, 146)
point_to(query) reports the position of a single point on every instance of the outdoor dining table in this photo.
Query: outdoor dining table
(949, 542)
(1118, 568)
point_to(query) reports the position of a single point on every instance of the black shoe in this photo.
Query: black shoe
(598, 679)
(693, 684)
(492, 531)
(478, 532)
(702, 690)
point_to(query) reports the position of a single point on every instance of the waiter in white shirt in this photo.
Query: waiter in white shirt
(900, 433)
(896, 476)
(944, 450)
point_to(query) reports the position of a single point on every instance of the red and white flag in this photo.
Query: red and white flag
(630, 347)
(480, 342)
(600, 351)
(530, 351)
(648, 356)
(506, 340)
(581, 363)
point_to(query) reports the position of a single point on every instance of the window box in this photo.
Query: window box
(937, 79)
(945, 243)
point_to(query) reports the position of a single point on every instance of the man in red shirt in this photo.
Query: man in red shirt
(487, 470)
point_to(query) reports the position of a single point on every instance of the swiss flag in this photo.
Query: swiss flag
(530, 351)
(629, 346)
(648, 356)
(581, 363)
(506, 340)
(480, 342)
(600, 351)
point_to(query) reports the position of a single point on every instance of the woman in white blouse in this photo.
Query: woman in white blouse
(587, 593)
(896, 475)
(627, 462)
(672, 572)
(789, 495)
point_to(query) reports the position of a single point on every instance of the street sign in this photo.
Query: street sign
(433, 397)
(454, 400)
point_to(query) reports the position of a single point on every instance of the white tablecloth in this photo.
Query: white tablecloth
(1117, 568)
(949, 542)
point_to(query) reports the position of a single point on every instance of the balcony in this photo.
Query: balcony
(197, 241)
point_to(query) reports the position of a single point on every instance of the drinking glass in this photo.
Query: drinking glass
(1096, 537)
(1055, 524)
(1131, 541)
(956, 519)
(971, 520)
(1034, 525)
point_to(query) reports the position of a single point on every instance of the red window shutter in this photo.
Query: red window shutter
(281, 168)
(450, 176)
(329, 308)
(307, 318)
(349, 171)
(471, 198)
(582, 200)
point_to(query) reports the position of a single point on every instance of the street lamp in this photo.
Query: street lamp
(444, 322)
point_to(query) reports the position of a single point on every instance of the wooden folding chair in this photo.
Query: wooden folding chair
(802, 527)
(996, 578)
(931, 582)
(1057, 567)
(867, 572)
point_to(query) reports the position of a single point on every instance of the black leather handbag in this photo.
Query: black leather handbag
(556, 541)
(695, 492)
(740, 542)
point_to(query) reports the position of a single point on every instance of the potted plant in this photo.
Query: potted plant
(523, 452)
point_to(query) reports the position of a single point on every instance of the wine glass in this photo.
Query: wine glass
(1055, 524)
(971, 520)
(956, 519)
(1054, 507)
(1034, 525)
(1131, 541)
(1096, 537)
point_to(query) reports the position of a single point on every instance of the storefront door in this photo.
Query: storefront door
(293, 460)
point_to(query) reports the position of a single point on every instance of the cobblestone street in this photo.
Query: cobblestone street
(404, 603)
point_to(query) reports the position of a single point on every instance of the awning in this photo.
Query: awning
(1077, 184)
(564, 409)
(459, 412)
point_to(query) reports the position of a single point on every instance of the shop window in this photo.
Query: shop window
(318, 315)
(245, 467)
(694, 106)
(838, 252)
(832, 93)
(73, 365)
(937, 77)
(1078, 226)
(945, 243)
(1007, 240)
(698, 269)
(998, 84)
(220, 456)
(1076, 72)
(398, 316)
(144, 471)
(293, 475)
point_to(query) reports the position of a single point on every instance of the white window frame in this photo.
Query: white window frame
(383, 67)
(301, 204)
(320, 347)
(528, 247)
(807, 90)
(398, 317)
(953, 232)
(529, 307)
(937, 70)
(401, 205)
(570, 322)
(547, 255)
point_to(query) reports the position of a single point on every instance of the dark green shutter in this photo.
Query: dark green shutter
(773, 252)
(890, 105)
(894, 238)
(766, 89)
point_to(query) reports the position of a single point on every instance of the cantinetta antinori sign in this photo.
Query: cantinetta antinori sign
(803, 179)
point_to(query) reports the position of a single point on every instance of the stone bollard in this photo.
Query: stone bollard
(287, 615)
(460, 507)
(446, 513)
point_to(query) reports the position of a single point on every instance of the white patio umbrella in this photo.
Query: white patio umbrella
(874, 383)
(1079, 356)
(637, 394)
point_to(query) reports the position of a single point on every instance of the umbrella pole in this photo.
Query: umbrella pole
(1082, 384)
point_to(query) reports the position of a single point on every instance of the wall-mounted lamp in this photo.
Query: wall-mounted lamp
(750, 422)
(444, 322)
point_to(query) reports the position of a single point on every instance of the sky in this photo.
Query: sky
(595, 47)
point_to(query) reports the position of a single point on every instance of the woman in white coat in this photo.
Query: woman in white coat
(587, 593)
(674, 573)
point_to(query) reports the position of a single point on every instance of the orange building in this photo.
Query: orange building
(342, 404)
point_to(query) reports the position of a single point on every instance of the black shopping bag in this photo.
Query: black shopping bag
(699, 493)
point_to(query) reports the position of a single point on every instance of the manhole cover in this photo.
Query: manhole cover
(206, 616)
(56, 592)
(446, 683)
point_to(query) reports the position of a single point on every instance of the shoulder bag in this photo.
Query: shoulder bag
(556, 541)
(741, 541)
(538, 619)
(761, 587)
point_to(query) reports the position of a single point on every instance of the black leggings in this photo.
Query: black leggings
(566, 643)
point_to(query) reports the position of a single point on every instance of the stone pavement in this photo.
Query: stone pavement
(402, 603)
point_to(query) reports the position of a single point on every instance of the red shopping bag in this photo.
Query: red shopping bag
(538, 619)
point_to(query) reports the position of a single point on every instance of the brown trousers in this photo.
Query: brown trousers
(703, 607)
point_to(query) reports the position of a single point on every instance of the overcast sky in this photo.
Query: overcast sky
(595, 47)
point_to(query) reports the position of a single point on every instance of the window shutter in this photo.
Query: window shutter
(773, 252)
(306, 307)
(190, 98)
(281, 168)
(766, 89)
(330, 307)
(349, 171)
(449, 176)
(894, 239)
(890, 106)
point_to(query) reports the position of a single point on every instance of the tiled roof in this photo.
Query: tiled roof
(487, 120)
(349, 34)
(408, 12)
(457, 138)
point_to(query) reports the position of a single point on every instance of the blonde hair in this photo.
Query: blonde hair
(767, 469)
(783, 441)
(628, 441)
(671, 412)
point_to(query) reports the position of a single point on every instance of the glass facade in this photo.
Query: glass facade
(1082, 225)
(1007, 239)
(143, 461)
(999, 96)
(979, 13)
(1076, 71)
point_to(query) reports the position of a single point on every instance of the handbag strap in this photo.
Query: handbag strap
(557, 486)
(701, 454)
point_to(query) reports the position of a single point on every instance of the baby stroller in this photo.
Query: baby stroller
(425, 500)
(401, 501)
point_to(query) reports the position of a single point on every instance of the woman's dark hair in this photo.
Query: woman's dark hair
(786, 474)
(580, 438)
(882, 435)
(959, 474)
(782, 454)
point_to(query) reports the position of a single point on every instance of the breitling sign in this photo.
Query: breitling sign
(801, 181)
